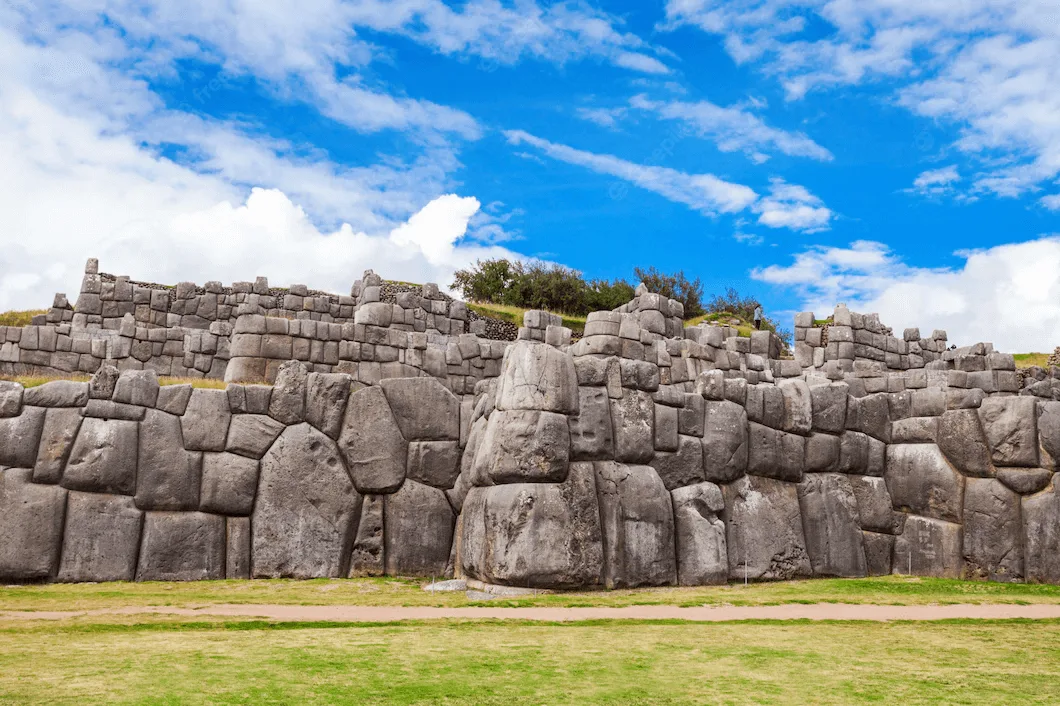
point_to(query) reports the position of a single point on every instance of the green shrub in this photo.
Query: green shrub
(674, 286)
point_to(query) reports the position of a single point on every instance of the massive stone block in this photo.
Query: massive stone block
(636, 517)
(418, 531)
(775, 454)
(1048, 429)
(875, 511)
(871, 415)
(20, 436)
(204, 424)
(287, 403)
(229, 484)
(60, 429)
(167, 477)
(31, 526)
(962, 439)
(526, 445)
(879, 549)
(538, 376)
(367, 557)
(237, 548)
(57, 393)
(326, 395)
(306, 508)
(1011, 426)
(822, 453)
(591, 435)
(702, 558)
(633, 420)
(137, 387)
(103, 458)
(251, 435)
(725, 442)
(1025, 481)
(829, 403)
(830, 525)
(423, 408)
(921, 481)
(1041, 535)
(764, 530)
(10, 398)
(928, 547)
(535, 534)
(993, 531)
(371, 442)
(798, 409)
(101, 538)
(435, 463)
(682, 467)
(182, 546)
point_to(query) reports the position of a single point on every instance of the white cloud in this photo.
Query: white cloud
(703, 192)
(604, 117)
(792, 206)
(1008, 295)
(935, 182)
(1051, 202)
(986, 67)
(735, 128)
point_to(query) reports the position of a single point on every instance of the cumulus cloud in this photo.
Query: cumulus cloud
(604, 117)
(935, 182)
(1051, 202)
(792, 206)
(1008, 295)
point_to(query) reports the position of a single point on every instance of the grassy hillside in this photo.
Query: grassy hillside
(19, 318)
(1026, 360)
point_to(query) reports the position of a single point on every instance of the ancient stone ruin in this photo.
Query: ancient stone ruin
(393, 432)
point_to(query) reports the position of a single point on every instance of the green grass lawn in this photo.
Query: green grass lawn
(514, 314)
(19, 318)
(386, 591)
(35, 380)
(489, 662)
(1026, 360)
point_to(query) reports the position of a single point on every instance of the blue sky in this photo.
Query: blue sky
(899, 156)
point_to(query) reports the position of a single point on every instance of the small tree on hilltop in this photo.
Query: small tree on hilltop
(674, 286)
(485, 281)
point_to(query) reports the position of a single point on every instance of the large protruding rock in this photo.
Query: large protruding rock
(103, 458)
(993, 531)
(875, 510)
(775, 454)
(306, 510)
(436, 463)
(60, 429)
(725, 445)
(167, 477)
(921, 481)
(702, 558)
(636, 516)
(928, 547)
(101, 539)
(543, 535)
(526, 446)
(326, 395)
(372, 443)
(418, 531)
(182, 546)
(19, 437)
(423, 408)
(31, 526)
(961, 439)
(538, 376)
(830, 525)
(682, 467)
(879, 549)
(633, 421)
(1011, 426)
(229, 484)
(1041, 535)
(591, 435)
(765, 538)
(287, 404)
(367, 557)
(205, 420)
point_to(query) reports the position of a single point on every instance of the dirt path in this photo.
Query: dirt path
(371, 614)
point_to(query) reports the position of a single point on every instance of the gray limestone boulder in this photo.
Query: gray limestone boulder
(915, 430)
(20, 436)
(1025, 481)
(101, 539)
(31, 526)
(375, 451)
(103, 382)
(1048, 428)
(1011, 426)
(764, 530)
(875, 511)
(306, 510)
(182, 546)
(702, 558)
(591, 434)
(137, 387)
(205, 422)
(229, 484)
(174, 398)
(921, 481)
(287, 403)
(725, 441)
(526, 446)
(57, 393)
(962, 439)
(665, 428)
(775, 454)
(537, 376)
(423, 408)
(251, 435)
(326, 395)
(853, 453)
(822, 453)
(798, 406)
(928, 547)
(434, 463)
(103, 458)
(367, 558)
(1041, 535)
(536, 535)
(237, 548)
(637, 521)
(418, 531)
(167, 477)
(633, 422)
(831, 525)
(879, 549)
(993, 531)
(60, 429)
(10, 398)
(682, 467)
(871, 415)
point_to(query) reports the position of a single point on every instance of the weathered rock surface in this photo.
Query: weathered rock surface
(57, 393)
(879, 549)
(237, 548)
(423, 408)
(137, 387)
(375, 450)
(633, 421)
(1011, 426)
(31, 526)
(1025, 481)
(526, 446)
(251, 435)
(1041, 535)
(287, 403)
(20, 436)
(875, 511)
(367, 558)
(101, 539)
(103, 458)
(636, 517)
(682, 467)
(830, 525)
(764, 530)
(182, 546)
(167, 477)
(229, 484)
(326, 395)
(591, 435)
(775, 454)
(928, 547)
(10, 398)
(829, 403)
(537, 376)
(435, 463)
(60, 430)
(921, 481)
(725, 441)
(205, 420)
(306, 508)
(993, 531)
(702, 558)
(962, 439)
(418, 531)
